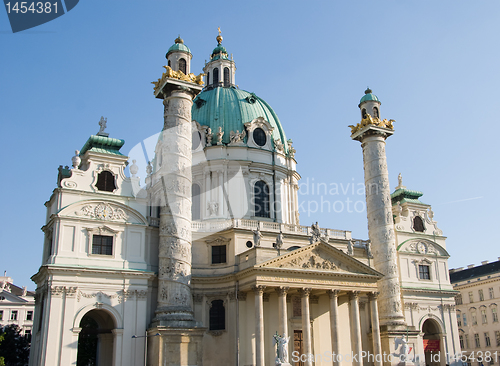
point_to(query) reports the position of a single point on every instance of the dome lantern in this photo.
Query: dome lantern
(179, 56)
(369, 104)
(220, 70)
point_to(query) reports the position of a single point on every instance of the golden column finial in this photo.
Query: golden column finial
(219, 37)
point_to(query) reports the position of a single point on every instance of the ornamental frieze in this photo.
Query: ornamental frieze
(103, 211)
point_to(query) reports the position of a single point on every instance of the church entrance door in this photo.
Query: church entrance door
(95, 342)
(297, 345)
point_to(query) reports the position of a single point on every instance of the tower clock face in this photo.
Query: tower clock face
(422, 248)
(103, 212)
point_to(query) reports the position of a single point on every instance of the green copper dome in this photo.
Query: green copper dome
(231, 108)
(369, 96)
(219, 52)
(178, 46)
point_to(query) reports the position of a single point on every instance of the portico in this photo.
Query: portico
(323, 299)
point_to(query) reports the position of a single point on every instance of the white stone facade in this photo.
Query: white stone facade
(141, 274)
(17, 305)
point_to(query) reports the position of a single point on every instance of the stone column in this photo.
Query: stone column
(306, 324)
(356, 327)
(282, 314)
(117, 345)
(334, 324)
(174, 272)
(259, 325)
(377, 345)
(380, 223)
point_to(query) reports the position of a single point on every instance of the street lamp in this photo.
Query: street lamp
(145, 344)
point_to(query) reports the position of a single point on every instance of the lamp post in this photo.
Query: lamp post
(145, 344)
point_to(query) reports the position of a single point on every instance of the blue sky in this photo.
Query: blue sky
(434, 66)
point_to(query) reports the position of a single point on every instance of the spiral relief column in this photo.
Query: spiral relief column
(174, 272)
(174, 337)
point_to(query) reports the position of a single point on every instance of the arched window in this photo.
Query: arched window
(169, 63)
(216, 77)
(208, 79)
(106, 181)
(196, 141)
(261, 199)
(418, 224)
(196, 202)
(217, 315)
(226, 76)
(182, 65)
(363, 113)
(375, 112)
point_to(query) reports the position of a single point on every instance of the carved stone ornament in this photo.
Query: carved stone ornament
(103, 211)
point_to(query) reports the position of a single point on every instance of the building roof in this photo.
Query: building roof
(406, 195)
(478, 271)
(231, 108)
(103, 144)
(178, 46)
(369, 96)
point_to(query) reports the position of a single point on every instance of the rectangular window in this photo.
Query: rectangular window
(465, 320)
(481, 295)
(29, 315)
(458, 300)
(102, 244)
(218, 254)
(459, 320)
(461, 338)
(476, 340)
(471, 296)
(1, 314)
(484, 318)
(494, 314)
(497, 337)
(487, 339)
(466, 337)
(13, 315)
(474, 318)
(492, 293)
(423, 272)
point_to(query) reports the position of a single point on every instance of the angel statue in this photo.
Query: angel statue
(281, 343)
(257, 235)
(404, 350)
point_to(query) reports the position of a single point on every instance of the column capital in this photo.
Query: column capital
(304, 292)
(259, 289)
(373, 295)
(282, 290)
(354, 295)
(117, 331)
(333, 293)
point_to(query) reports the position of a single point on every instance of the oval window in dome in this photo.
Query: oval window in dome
(196, 139)
(259, 136)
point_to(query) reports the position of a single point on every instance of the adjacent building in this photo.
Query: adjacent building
(477, 311)
(207, 262)
(17, 305)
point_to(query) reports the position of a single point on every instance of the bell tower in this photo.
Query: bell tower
(179, 56)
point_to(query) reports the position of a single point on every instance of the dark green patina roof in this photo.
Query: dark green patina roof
(369, 96)
(231, 108)
(406, 195)
(219, 52)
(178, 46)
(103, 144)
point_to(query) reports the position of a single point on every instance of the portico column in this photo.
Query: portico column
(117, 345)
(356, 327)
(259, 325)
(282, 314)
(306, 324)
(334, 323)
(377, 345)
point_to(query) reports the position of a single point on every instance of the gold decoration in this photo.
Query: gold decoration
(169, 73)
(219, 37)
(372, 121)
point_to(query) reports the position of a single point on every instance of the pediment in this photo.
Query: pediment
(11, 298)
(422, 247)
(320, 257)
(103, 210)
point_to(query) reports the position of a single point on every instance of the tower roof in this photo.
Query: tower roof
(231, 108)
(103, 144)
(369, 96)
(406, 195)
(219, 51)
(178, 46)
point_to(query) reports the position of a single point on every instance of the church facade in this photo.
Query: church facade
(207, 263)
